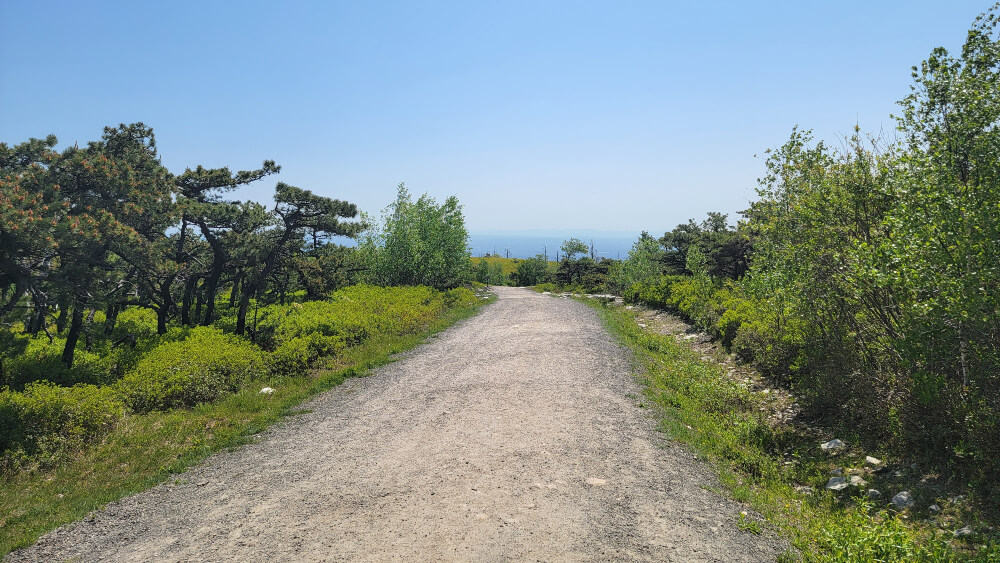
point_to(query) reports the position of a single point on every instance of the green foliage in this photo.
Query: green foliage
(532, 271)
(727, 423)
(45, 419)
(156, 446)
(547, 286)
(489, 273)
(300, 333)
(570, 248)
(642, 266)
(874, 279)
(418, 243)
(865, 534)
(724, 249)
(201, 368)
(945, 248)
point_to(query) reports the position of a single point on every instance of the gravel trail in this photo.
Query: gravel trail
(514, 435)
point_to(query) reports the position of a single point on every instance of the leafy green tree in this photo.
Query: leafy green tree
(418, 243)
(532, 271)
(490, 273)
(643, 265)
(570, 248)
(818, 219)
(945, 247)
(571, 269)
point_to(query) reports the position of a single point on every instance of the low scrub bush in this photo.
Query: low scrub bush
(355, 313)
(460, 297)
(204, 366)
(296, 355)
(45, 418)
(299, 333)
(41, 360)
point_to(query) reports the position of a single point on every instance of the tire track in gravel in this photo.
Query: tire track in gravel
(514, 435)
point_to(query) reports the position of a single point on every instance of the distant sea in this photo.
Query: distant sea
(525, 245)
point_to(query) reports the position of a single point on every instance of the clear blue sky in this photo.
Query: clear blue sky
(538, 115)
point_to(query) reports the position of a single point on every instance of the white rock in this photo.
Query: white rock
(266, 391)
(902, 500)
(836, 484)
(833, 445)
(838, 472)
(857, 481)
(963, 532)
(874, 493)
(872, 460)
(804, 489)
(934, 508)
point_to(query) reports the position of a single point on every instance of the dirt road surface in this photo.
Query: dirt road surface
(515, 435)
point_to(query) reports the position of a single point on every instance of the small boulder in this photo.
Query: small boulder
(804, 489)
(266, 391)
(874, 493)
(856, 481)
(833, 445)
(873, 461)
(838, 472)
(837, 484)
(963, 532)
(902, 500)
(934, 508)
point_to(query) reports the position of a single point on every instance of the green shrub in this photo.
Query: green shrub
(459, 297)
(865, 535)
(295, 356)
(46, 416)
(292, 358)
(736, 310)
(42, 360)
(202, 367)
(139, 322)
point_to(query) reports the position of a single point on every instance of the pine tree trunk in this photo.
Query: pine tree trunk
(75, 327)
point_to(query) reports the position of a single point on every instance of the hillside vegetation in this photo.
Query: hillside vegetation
(867, 281)
(134, 300)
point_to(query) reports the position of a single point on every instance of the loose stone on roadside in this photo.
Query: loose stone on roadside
(834, 445)
(902, 500)
(837, 484)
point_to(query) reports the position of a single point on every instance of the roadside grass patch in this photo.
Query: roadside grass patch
(144, 450)
(759, 464)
